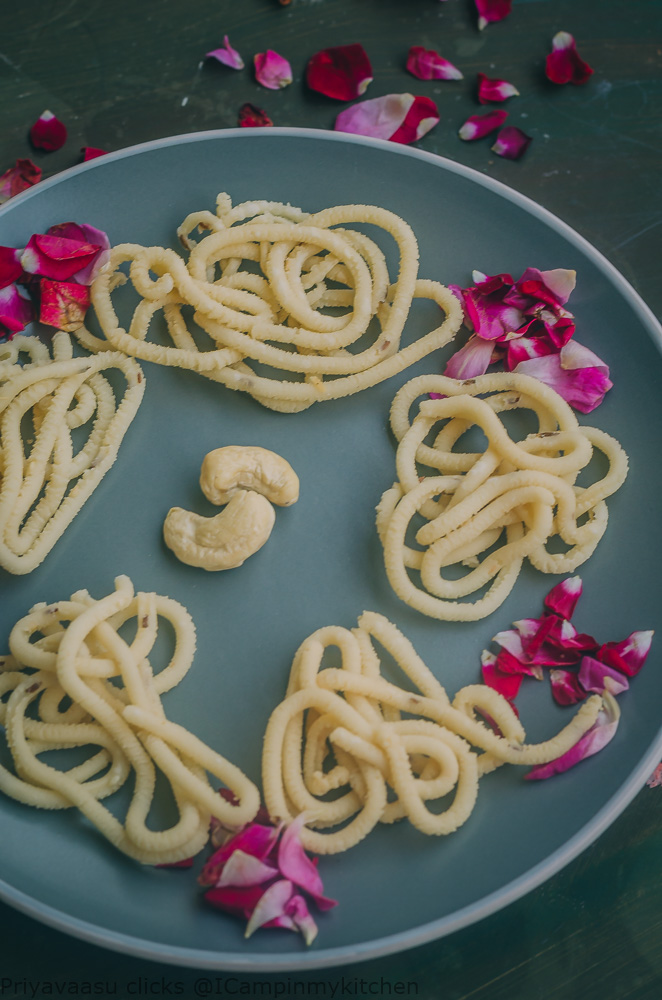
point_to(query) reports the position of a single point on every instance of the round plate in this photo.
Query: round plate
(323, 562)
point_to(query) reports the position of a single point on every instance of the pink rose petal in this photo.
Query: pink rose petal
(255, 839)
(597, 677)
(476, 126)
(553, 287)
(398, 117)
(271, 905)
(299, 918)
(426, 64)
(272, 70)
(562, 599)
(511, 142)
(57, 257)
(525, 348)
(10, 266)
(577, 374)
(251, 116)
(470, 360)
(491, 89)
(85, 234)
(226, 55)
(295, 865)
(15, 311)
(563, 64)
(92, 152)
(242, 869)
(506, 684)
(655, 780)
(597, 737)
(342, 72)
(48, 132)
(566, 688)
(629, 655)
(23, 175)
(63, 304)
(490, 11)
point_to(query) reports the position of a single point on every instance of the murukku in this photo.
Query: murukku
(296, 308)
(350, 749)
(487, 511)
(74, 651)
(44, 483)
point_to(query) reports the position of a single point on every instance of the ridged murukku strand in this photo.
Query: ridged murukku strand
(384, 751)
(488, 511)
(71, 650)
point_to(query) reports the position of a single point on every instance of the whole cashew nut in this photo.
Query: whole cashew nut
(226, 471)
(224, 541)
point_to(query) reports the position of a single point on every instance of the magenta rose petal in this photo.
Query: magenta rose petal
(10, 266)
(251, 116)
(597, 737)
(226, 55)
(562, 599)
(15, 311)
(23, 175)
(490, 11)
(511, 142)
(242, 869)
(272, 70)
(85, 234)
(470, 360)
(56, 257)
(629, 655)
(92, 152)
(255, 839)
(271, 905)
(476, 126)
(566, 687)
(597, 677)
(564, 64)
(48, 132)
(342, 72)
(295, 865)
(398, 117)
(63, 304)
(491, 89)
(426, 64)
(506, 684)
(526, 348)
(420, 118)
(238, 901)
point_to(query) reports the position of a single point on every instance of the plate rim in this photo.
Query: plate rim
(515, 889)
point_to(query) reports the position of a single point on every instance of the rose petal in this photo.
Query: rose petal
(597, 677)
(553, 287)
(426, 64)
(85, 234)
(420, 118)
(185, 863)
(563, 64)
(511, 142)
(471, 360)
(15, 311)
(525, 348)
(597, 737)
(342, 72)
(562, 599)
(241, 902)
(48, 132)
(577, 374)
(63, 304)
(506, 684)
(490, 11)
(20, 177)
(297, 911)
(226, 55)
(57, 257)
(251, 116)
(629, 655)
(566, 688)
(91, 152)
(476, 126)
(295, 865)
(255, 839)
(10, 266)
(272, 70)
(242, 869)
(492, 89)
(655, 780)
(510, 664)
(271, 905)
(399, 117)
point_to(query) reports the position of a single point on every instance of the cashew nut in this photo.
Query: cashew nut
(225, 471)
(224, 541)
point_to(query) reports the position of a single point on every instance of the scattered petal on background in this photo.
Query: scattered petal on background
(426, 64)
(492, 10)
(18, 178)
(91, 152)
(226, 55)
(63, 304)
(343, 72)
(48, 132)
(251, 116)
(421, 117)
(477, 126)
(492, 89)
(15, 311)
(272, 70)
(597, 737)
(399, 117)
(511, 142)
(655, 780)
(563, 64)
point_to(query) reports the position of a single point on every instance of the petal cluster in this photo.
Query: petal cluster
(398, 117)
(576, 663)
(526, 325)
(342, 72)
(263, 874)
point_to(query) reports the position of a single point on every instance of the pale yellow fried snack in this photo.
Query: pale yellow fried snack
(519, 494)
(42, 491)
(278, 318)
(73, 649)
(388, 751)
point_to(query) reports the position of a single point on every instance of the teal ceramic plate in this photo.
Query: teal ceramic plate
(323, 566)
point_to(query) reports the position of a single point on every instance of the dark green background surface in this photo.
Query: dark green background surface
(121, 73)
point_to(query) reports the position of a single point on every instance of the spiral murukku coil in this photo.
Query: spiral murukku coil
(486, 511)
